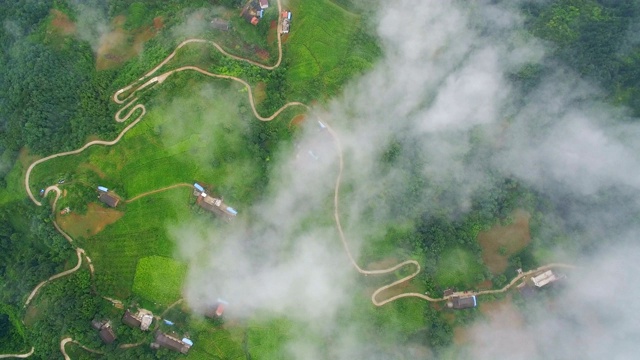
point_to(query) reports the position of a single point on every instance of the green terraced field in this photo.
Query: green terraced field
(159, 279)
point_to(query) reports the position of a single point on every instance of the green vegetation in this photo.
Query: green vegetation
(459, 268)
(266, 338)
(55, 97)
(159, 279)
(140, 232)
(326, 47)
(12, 332)
(592, 37)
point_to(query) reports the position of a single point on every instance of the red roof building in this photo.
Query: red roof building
(220, 309)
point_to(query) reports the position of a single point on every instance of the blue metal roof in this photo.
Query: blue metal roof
(187, 341)
(232, 210)
(198, 187)
(102, 188)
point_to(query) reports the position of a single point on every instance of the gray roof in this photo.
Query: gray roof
(130, 320)
(107, 335)
(219, 24)
(463, 303)
(171, 343)
(108, 199)
(97, 324)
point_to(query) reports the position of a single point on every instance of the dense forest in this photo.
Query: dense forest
(53, 99)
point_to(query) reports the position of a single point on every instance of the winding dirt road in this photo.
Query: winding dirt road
(67, 340)
(18, 356)
(132, 106)
(80, 252)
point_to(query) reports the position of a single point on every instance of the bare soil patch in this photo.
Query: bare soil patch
(485, 285)
(260, 93)
(500, 242)
(382, 264)
(297, 120)
(33, 314)
(460, 335)
(89, 224)
(120, 45)
(158, 23)
(502, 309)
(272, 34)
(262, 54)
(25, 158)
(61, 24)
(505, 309)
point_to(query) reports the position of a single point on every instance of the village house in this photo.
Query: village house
(545, 278)
(253, 11)
(142, 319)
(217, 311)
(458, 302)
(286, 21)
(264, 4)
(171, 343)
(104, 330)
(220, 24)
(212, 204)
(108, 199)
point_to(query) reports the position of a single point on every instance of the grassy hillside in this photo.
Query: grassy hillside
(327, 46)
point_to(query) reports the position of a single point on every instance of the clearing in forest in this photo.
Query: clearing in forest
(459, 268)
(120, 45)
(61, 24)
(89, 224)
(500, 242)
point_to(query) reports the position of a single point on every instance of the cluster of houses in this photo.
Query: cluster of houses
(528, 288)
(286, 21)
(143, 319)
(465, 300)
(253, 11)
(212, 204)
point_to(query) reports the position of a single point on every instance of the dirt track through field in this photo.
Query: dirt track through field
(158, 191)
(131, 107)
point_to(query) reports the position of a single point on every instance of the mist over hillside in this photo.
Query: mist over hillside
(445, 89)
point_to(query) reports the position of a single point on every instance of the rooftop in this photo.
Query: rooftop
(219, 24)
(544, 278)
(171, 343)
(107, 335)
(463, 302)
(130, 319)
(108, 199)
